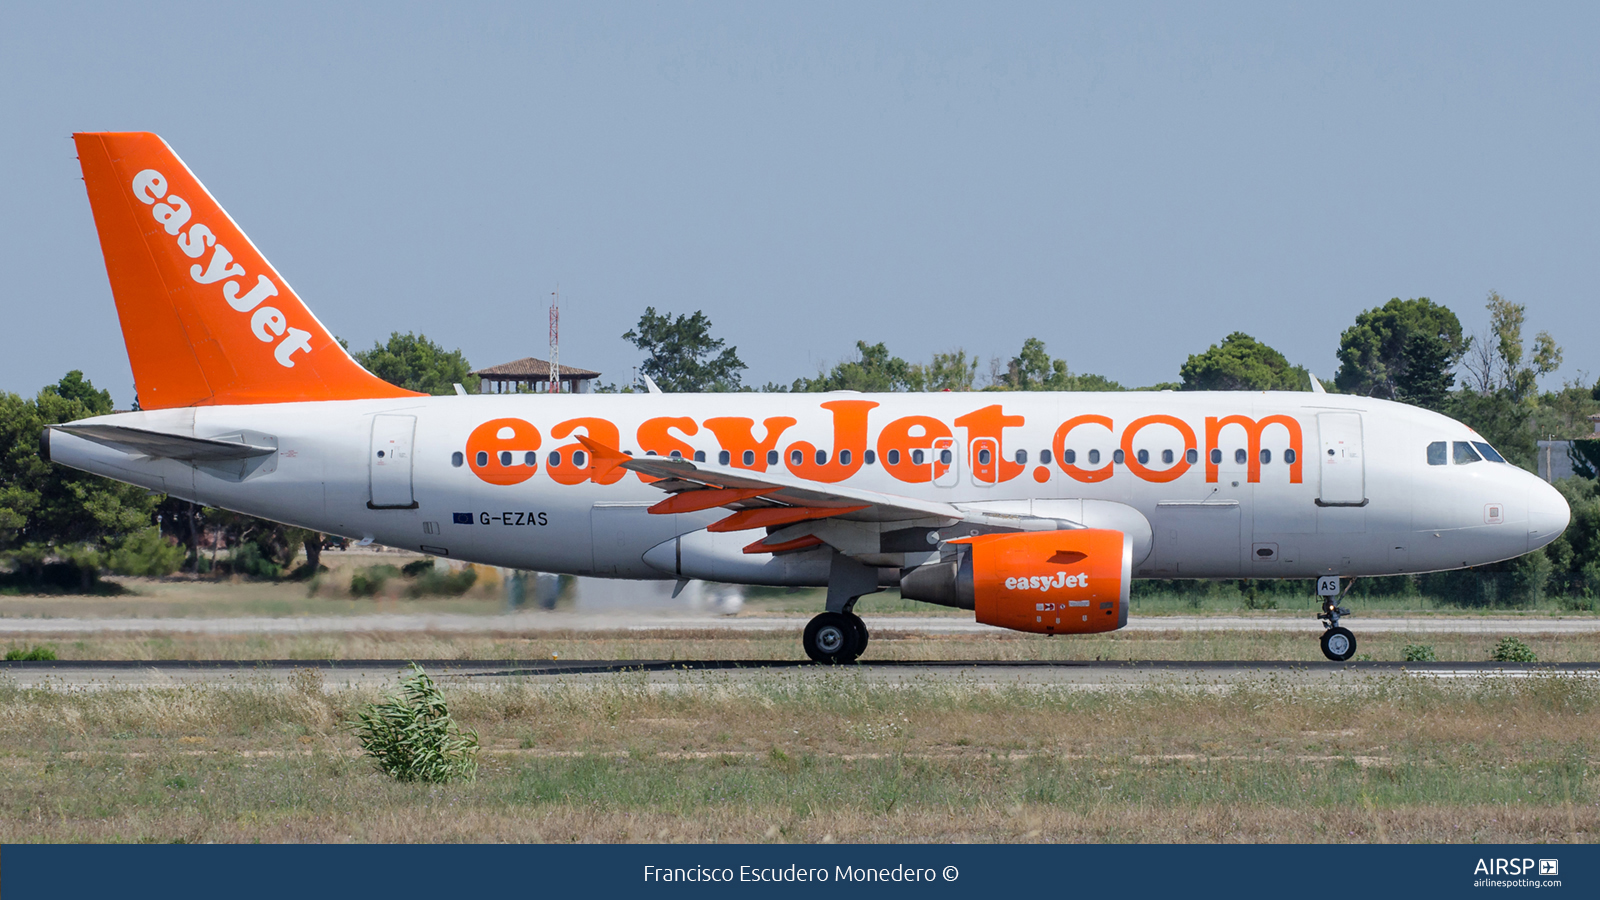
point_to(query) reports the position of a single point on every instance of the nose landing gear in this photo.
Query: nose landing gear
(1338, 644)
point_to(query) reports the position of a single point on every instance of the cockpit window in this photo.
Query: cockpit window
(1488, 452)
(1437, 453)
(1463, 453)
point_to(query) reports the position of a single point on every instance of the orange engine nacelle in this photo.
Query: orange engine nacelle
(1048, 582)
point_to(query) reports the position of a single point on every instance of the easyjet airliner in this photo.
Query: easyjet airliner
(1034, 510)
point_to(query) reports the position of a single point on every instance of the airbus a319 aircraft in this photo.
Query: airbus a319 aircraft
(1034, 510)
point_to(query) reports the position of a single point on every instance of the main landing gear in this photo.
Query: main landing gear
(839, 635)
(835, 637)
(1338, 644)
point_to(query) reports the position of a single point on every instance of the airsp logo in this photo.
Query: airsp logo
(1513, 866)
(1549, 867)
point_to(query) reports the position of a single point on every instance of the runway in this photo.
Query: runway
(91, 674)
(537, 622)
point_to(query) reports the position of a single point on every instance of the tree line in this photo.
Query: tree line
(59, 527)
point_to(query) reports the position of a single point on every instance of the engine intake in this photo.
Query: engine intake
(1047, 582)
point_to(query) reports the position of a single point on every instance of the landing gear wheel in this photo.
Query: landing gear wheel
(862, 635)
(832, 638)
(1338, 644)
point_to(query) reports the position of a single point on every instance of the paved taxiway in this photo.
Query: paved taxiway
(70, 674)
(536, 622)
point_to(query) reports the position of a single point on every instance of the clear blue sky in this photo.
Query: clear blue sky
(1127, 182)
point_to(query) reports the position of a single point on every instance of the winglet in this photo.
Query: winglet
(606, 457)
(1316, 385)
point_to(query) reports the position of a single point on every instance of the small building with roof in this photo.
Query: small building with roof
(532, 374)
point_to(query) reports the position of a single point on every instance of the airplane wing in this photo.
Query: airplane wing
(162, 445)
(763, 499)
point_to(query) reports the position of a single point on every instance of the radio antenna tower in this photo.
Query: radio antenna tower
(555, 340)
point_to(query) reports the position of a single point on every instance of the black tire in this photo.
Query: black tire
(831, 638)
(863, 636)
(1338, 644)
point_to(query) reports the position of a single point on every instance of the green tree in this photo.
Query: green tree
(951, 371)
(681, 354)
(1501, 363)
(50, 509)
(1033, 369)
(872, 371)
(1242, 363)
(1500, 398)
(875, 370)
(1403, 350)
(73, 386)
(415, 363)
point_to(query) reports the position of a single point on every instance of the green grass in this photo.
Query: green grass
(812, 755)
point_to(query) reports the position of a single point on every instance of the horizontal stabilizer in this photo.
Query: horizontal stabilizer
(161, 445)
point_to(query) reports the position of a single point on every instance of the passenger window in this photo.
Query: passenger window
(1288, 456)
(1488, 452)
(1239, 456)
(1116, 457)
(749, 457)
(700, 456)
(822, 457)
(1094, 457)
(945, 457)
(554, 460)
(1191, 456)
(894, 457)
(1436, 454)
(1144, 456)
(772, 457)
(1216, 457)
(1022, 457)
(580, 459)
(457, 458)
(676, 454)
(1044, 456)
(983, 456)
(1266, 456)
(870, 458)
(1463, 453)
(724, 457)
(916, 457)
(483, 458)
(844, 457)
(796, 457)
(1166, 456)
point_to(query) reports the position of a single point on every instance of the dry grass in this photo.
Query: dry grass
(815, 755)
(686, 644)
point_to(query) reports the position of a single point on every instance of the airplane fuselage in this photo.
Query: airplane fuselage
(1210, 485)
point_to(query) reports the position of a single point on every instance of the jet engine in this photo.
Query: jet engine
(1048, 582)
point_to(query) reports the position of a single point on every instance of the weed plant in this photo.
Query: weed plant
(412, 737)
(1512, 649)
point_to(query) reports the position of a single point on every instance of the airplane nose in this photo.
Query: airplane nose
(1548, 513)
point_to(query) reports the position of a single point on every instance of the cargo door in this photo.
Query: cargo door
(1196, 539)
(389, 462)
(1343, 469)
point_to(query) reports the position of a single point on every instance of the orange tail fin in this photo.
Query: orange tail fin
(206, 318)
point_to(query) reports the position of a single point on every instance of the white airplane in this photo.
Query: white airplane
(1034, 510)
